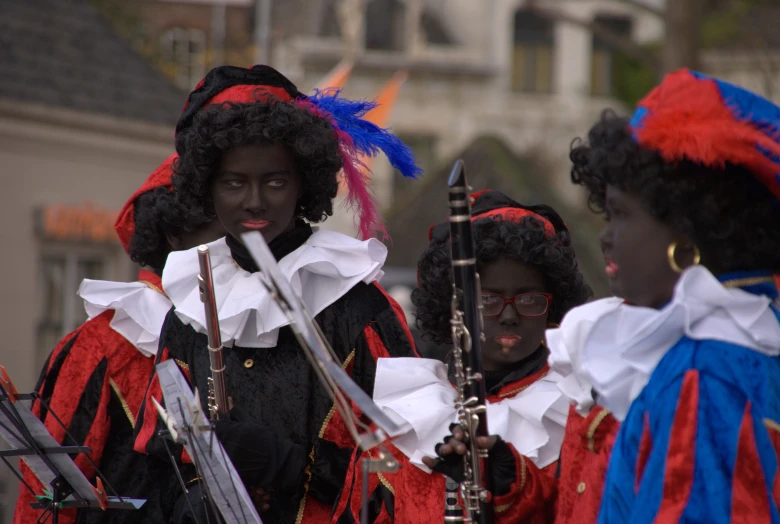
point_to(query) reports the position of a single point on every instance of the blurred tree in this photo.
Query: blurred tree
(690, 26)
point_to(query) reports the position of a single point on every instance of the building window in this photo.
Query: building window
(385, 22)
(184, 50)
(61, 309)
(532, 56)
(434, 31)
(603, 58)
(329, 20)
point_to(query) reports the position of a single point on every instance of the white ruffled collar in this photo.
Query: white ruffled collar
(321, 271)
(625, 344)
(566, 343)
(417, 391)
(139, 309)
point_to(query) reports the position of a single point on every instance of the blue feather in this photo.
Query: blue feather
(368, 138)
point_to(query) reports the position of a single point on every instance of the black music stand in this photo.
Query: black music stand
(28, 438)
(187, 425)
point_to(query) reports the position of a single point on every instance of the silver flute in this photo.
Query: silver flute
(218, 397)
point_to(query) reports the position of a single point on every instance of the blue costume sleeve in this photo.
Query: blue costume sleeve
(698, 444)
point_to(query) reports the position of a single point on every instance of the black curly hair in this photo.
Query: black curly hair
(525, 242)
(728, 214)
(218, 128)
(157, 217)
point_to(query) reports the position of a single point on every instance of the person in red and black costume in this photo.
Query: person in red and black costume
(260, 156)
(572, 493)
(529, 279)
(95, 378)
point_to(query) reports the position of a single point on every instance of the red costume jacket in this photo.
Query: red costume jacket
(574, 497)
(411, 495)
(95, 381)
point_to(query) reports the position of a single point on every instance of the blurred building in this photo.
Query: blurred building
(83, 121)
(84, 117)
(749, 55)
(477, 70)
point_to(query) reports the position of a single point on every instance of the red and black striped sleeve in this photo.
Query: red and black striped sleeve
(74, 395)
(148, 422)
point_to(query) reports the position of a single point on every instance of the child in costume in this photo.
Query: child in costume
(529, 279)
(95, 378)
(691, 190)
(260, 156)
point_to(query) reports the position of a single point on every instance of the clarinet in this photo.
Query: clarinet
(218, 397)
(466, 322)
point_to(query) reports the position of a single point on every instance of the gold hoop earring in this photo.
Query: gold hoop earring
(550, 325)
(670, 255)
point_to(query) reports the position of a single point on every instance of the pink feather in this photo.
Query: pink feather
(359, 193)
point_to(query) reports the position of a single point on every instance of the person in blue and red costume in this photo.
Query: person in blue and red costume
(689, 364)
(691, 191)
(530, 279)
(95, 379)
(260, 156)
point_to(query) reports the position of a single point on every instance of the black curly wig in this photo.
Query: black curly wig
(157, 217)
(219, 128)
(729, 215)
(525, 242)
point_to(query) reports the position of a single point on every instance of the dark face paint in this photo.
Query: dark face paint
(256, 188)
(635, 247)
(509, 337)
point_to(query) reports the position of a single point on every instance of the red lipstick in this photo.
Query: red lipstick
(612, 268)
(255, 224)
(507, 342)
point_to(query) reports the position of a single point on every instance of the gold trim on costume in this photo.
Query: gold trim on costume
(122, 401)
(333, 407)
(522, 472)
(182, 364)
(153, 287)
(307, 471)
(748, 281)
(504, 507)
(348, 360)
(771, 424)
(193, 481)
(518, 390)
(327, 421)
(386, 483)
(598, 419)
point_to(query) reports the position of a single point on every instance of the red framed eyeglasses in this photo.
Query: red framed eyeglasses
(525, 304)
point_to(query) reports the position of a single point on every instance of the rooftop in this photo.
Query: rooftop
(63, 53)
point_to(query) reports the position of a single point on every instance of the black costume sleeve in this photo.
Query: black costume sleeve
(385, 335)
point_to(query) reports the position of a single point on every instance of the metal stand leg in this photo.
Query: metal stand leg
(55, 501)
(365, 468)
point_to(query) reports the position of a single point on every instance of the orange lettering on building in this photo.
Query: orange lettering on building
(86, 222)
